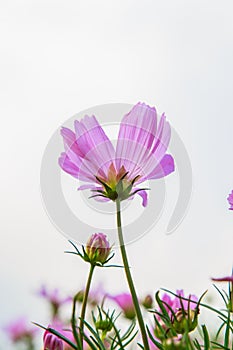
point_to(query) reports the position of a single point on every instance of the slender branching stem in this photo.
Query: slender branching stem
(129, 278)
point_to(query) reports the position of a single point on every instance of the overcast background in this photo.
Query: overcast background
(61, 57)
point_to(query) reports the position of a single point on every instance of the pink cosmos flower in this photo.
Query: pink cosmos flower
(177, 303)
(230, 200)
(20, 330)
(182, 313)
(140, 154)
(53, 296)
(125, 302)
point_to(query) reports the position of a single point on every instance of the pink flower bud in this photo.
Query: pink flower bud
(52, 342)
(98, 248)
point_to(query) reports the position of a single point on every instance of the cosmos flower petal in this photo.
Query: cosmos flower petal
(164, 168)
(93, 142)
(160, 145)
(140, 146)
(230, 200)
(143, 194)
(67, 165)
(89, 150)
(136, 136)
(69, 140)
(223, 279)
(185, 303)
(162, 137)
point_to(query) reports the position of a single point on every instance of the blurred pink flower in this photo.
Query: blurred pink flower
(54, 298)
(182, 313)
(125, 302)
(230, 200)
(19, 330)
(177, 303)
(140, 154)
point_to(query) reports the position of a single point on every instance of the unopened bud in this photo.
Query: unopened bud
(104, 325)
(148, 302)
(98, 248)
(185, 320)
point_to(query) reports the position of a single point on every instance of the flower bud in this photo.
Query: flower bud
(185, 320)
(98, 248)
(147, 302)
(104, 325)
(80, 296)
(52, 342)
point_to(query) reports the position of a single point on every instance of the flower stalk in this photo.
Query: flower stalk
(85, 298)
(129, 278)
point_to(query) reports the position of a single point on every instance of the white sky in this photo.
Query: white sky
(61, 57)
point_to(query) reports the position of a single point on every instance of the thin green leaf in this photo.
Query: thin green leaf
(96, 335)
(220, 346)
(154, 341)
(219, 330)
(130, 339)
(227, 331)
(196, 344)
(89, 342)
(221, 293)
(206, 338)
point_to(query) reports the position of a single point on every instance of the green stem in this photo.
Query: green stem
(73, 321)
(30, 344)
(129, 278)
(84, 306)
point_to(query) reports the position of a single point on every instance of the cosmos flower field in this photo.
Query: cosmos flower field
(100, 320)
